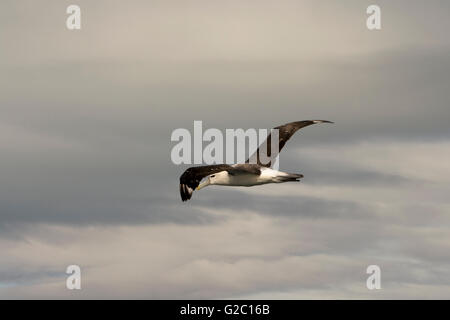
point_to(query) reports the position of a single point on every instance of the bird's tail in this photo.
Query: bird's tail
(290, 177)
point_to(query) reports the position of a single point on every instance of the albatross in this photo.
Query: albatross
(244, 174)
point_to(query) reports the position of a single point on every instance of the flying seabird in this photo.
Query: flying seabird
(245, 174)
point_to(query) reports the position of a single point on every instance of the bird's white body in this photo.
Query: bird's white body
(247, 180)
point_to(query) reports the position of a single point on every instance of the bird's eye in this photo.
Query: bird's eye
(213, 176)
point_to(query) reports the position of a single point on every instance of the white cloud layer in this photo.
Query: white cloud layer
(248, 254)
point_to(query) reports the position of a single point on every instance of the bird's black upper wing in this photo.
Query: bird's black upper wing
(244, 169)
(285, 132)
(191, 178)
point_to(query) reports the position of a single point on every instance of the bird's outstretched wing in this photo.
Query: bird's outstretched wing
(244, 169)
(285, 132)
(191, 178)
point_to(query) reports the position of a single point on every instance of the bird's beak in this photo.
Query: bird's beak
(203, 184)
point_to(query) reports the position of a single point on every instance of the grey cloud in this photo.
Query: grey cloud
(294, 207)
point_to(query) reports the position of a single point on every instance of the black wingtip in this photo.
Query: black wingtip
(185, 192)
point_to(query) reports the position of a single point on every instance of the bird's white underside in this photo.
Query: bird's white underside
(246, 180)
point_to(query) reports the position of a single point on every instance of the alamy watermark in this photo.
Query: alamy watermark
(73, 281)
(239, 145)
(373, 21)
(73, 21)
(374, 280)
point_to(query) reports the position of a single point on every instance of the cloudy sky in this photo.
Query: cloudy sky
(86, 175)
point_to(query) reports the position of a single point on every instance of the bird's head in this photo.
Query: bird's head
(215, 178)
